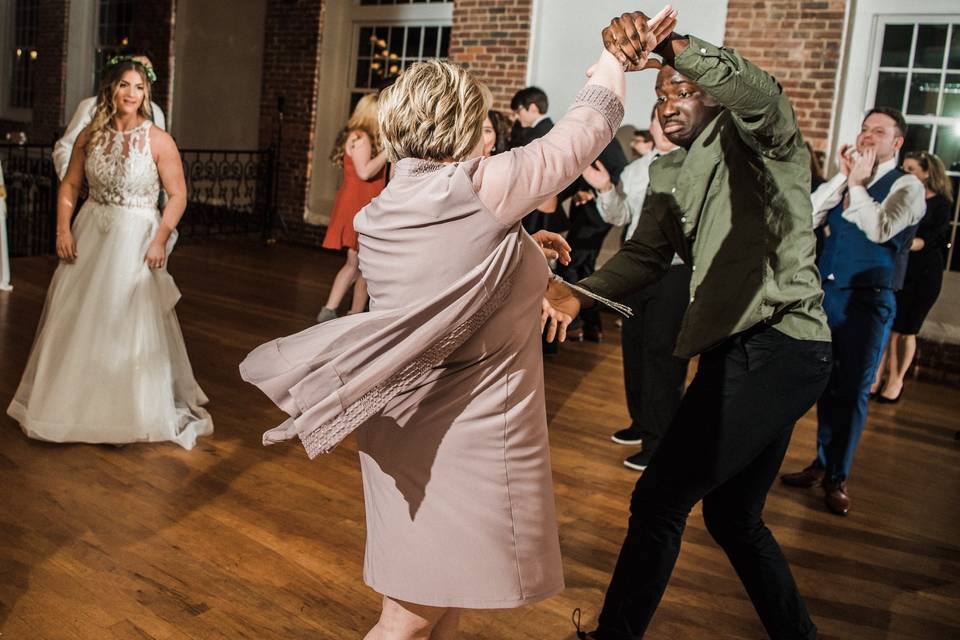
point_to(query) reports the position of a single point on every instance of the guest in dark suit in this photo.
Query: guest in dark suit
(530, 109)
(653, 376)
(588, 230)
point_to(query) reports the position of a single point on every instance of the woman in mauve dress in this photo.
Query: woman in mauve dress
(443, 378)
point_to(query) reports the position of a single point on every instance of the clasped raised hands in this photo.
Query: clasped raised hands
(633, 36)
(859, 167)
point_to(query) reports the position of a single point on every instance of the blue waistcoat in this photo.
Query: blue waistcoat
(850, 259)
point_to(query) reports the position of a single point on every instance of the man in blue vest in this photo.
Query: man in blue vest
(870, 208)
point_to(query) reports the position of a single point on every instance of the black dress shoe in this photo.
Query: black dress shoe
(809, 477)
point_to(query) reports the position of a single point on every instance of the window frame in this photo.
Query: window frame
(7, 111)
(881, 21)
(353, 88)
(99, 60)
(422, 14)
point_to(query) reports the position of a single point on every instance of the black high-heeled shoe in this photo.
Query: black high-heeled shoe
(884, 400)
(581, 635)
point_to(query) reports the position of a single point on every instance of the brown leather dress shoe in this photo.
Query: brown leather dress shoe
(836, 498)
(810, 477)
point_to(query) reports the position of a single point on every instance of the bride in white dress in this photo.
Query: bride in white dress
(108, 364)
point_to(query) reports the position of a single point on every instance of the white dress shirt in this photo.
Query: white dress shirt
(622, 204)
(83, 116)
(904, 206)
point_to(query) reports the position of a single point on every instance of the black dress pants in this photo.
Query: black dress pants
(724, 447)
(583, 262)
(653, 377)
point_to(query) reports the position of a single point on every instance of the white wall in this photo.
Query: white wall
(332, 104)
(565, 40)
(219, 58)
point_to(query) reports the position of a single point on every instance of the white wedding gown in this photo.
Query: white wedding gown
(108, 364)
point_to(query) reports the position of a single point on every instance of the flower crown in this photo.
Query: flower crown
(147, 69)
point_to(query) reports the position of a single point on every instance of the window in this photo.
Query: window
(918, 72)
(114, 25)
(26, 18)
(383, 51)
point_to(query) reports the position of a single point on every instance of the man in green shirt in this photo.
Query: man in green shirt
(734, 203)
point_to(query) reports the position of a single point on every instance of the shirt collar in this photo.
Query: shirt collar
(883, 169)
(538, 121)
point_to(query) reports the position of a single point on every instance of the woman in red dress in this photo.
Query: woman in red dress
(358, 151)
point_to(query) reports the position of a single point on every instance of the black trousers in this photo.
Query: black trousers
(653, 377)
(724, 447)
(583, 262)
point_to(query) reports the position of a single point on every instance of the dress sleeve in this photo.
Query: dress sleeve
(512, 184)
(158, 117)
(63, 148)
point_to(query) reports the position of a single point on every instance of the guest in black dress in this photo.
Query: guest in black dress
(924, 273)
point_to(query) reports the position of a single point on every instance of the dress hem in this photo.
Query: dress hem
(467, 603)
(186, 438)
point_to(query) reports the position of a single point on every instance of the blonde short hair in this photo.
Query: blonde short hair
(434, 111)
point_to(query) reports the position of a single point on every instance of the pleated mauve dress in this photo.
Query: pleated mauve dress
(456, 471)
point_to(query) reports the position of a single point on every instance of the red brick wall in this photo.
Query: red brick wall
(492, 39)
(291, 70)
(50, 73)
(798, 42)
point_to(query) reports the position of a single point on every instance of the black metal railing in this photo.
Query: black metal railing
(229, 193)
(31, 198)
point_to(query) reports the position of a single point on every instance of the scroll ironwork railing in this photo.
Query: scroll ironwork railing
(229, 193)
(31, 186)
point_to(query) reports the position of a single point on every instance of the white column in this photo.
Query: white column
(4, 249)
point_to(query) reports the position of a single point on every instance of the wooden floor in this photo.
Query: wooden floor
(232, 540)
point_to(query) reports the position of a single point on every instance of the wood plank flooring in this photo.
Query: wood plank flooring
(232, 540)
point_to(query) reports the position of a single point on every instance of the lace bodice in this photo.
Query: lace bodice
(121, 170)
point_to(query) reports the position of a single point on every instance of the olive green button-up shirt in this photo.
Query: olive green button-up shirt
(736, 207)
